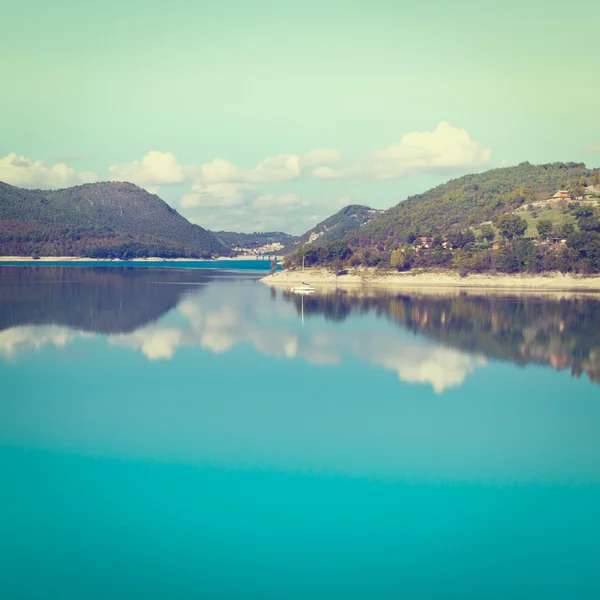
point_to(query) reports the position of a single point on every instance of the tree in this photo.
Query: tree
(565, 230)
(398, 260)
(468, 238)
(581, 211)
(487, 232)
(589, 223)
(311, 253)
(273, 267)
(544, 228)
(437, 241)
(511, 226)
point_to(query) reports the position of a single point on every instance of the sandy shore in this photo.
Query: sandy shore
(449, 280)
(117, 260)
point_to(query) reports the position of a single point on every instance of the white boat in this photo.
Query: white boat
(304, 288)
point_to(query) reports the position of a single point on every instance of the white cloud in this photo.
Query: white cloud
(221, 328)
(156, 168)
(220, 170)
(287, 201)
(277, 168)
(159, 168)
(240, 207)
(592, 149)
(446, 148)
(25, 172)
(330, 173)
(218, 327)
(283, 167)
(321, 156)
(217, 195)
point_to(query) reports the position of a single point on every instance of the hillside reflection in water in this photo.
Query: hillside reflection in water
(215, 367)
(432, 339)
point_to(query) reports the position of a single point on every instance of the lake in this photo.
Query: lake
(192, 433)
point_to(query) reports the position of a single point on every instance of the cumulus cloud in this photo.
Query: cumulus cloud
(221, 328)
(243, 208)
(159, 168)
(25, 172)
(283, 167)
(266, 212)
(156, 168)
(210, 323)
(217, 194)
(322, 156)
(277, 168)
(327, 172)
(286, 201)
(446, 148)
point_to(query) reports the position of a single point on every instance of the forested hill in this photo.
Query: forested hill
(471, 200)
(112, 220)
(523, 219)
(350, 218)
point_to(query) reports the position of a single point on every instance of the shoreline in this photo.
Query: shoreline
(75, 259)
(435, 280)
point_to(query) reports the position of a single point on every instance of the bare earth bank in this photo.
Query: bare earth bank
(446, 279)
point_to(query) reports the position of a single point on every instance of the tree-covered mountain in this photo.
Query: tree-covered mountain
(528, 218)
(471, 200)
(350, 218)
(98, 220)
(233, 239)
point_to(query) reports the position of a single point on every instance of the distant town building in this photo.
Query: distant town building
(267, 249)
(563, 195)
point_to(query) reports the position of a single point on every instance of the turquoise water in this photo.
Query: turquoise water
(251, 264)
(176, 433)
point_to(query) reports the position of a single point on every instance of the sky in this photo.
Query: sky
(255, 115)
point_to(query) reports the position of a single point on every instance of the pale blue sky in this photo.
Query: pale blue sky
(100, 84)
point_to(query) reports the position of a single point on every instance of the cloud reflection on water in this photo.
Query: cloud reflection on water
(219, 323)
(184, 404)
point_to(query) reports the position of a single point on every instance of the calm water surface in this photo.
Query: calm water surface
(191, 433)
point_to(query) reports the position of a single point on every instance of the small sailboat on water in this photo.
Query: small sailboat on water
(304, 288)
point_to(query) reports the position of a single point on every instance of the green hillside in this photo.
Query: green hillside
(335, 227)
(111, 220)
(471, 200)
(526, 218)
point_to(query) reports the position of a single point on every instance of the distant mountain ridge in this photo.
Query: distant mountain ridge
(98, 220)
(258, 239)
(348, 219)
